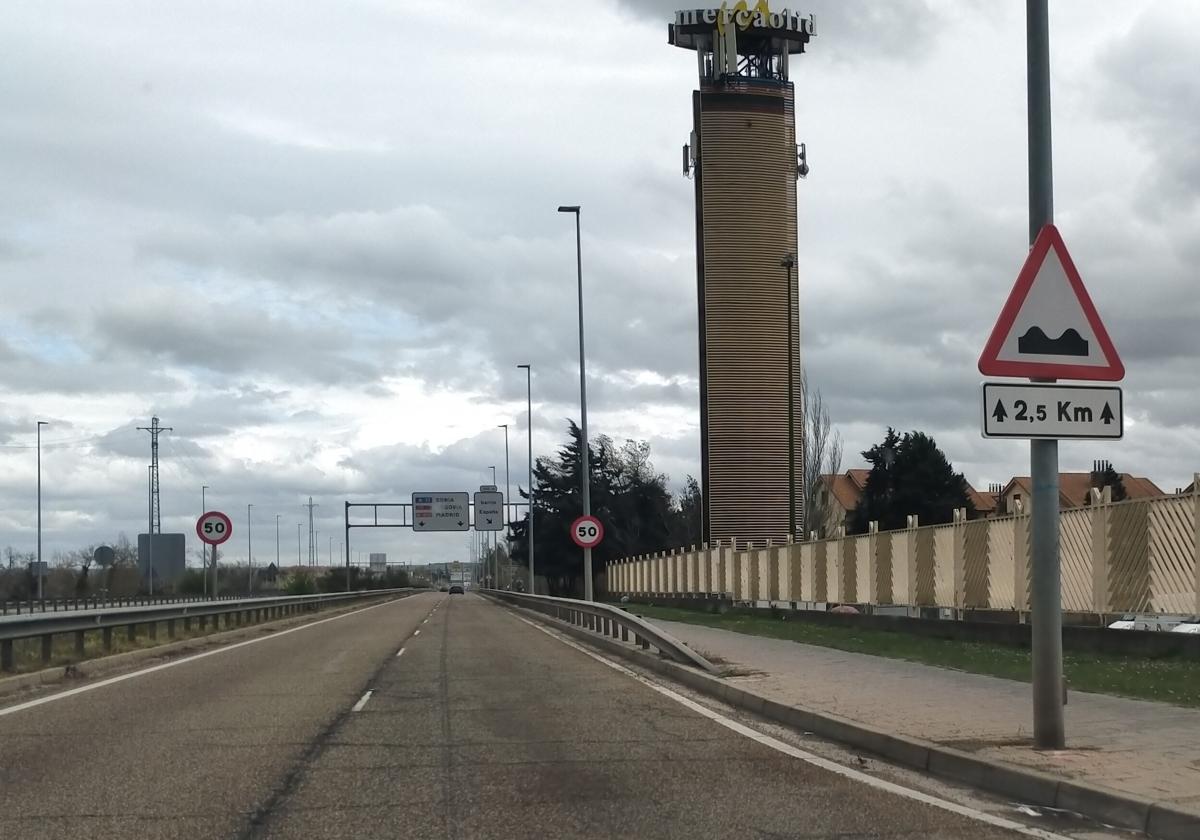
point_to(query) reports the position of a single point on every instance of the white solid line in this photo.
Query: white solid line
(400, 652)
(816, 760)
(20, 707)
(362, 701)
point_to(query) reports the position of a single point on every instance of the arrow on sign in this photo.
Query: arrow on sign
(489, 521)
(460, 523)
(999, 414)
(1107, 415)
(420, 524)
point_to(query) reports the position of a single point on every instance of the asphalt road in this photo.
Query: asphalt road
(485, 727)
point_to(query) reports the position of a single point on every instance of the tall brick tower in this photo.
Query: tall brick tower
(745, 162)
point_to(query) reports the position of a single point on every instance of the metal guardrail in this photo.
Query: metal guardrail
(93, 602)
(236, 612)
(607, 621)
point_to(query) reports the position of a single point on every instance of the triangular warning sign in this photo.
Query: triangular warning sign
(1049, 328)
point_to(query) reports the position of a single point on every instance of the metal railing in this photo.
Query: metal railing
(608, 621)
(46, 626)
(92, 602)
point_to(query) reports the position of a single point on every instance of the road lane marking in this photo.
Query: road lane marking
(20, 707)
(426, 621)
(810, 758)
(400, 652)
(416, 632)
(362, 701)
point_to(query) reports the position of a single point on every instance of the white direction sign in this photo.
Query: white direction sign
(441, 512)
(1052, 411)
(489, 511)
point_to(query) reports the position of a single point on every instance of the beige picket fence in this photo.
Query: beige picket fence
(1132, 556)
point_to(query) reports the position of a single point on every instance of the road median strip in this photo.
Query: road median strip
(1163, 820)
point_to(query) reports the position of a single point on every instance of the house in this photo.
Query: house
(840, 494)
(1074, 489)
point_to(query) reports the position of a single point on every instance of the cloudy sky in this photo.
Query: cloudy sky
(317, 238)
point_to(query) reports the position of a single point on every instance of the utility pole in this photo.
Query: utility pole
(40, 423)
(507, 518)
(312, 534)
(529, 421)
(155, 511)
(249, 554)
(277, 543)
(585, 448)
(1045, 596)
(298, 532)
(203, 545)
(788, 263)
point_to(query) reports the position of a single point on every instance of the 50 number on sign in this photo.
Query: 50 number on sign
(587, 532)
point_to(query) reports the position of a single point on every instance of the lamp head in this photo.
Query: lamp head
(568, 208)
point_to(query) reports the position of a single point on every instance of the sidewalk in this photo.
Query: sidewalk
(1147, 749)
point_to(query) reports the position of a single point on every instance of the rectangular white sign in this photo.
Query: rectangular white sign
(489, 511)
(441, 512)
(1034, 410)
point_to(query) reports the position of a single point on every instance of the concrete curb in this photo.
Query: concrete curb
(1162, 820)
(108, 665)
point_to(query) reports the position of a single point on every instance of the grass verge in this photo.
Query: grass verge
(1166, 680)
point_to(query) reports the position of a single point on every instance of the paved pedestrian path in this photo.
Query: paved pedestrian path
(1147, 749)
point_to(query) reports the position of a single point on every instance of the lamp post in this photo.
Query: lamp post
(489, 540)
(297, 543)
(788, 263)
(585, 479)
(203, 545)
(507, 492)
(249, 554)
(529, 422)
(277, 542)
(40, 423)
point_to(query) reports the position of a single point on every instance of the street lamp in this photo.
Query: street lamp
(585, 479)
(489, 539)
(788, 263)
(249, 554)
(40, 423)
(277, 542)
(507, 493)
(298, 544)
(529, 420)
(204, 545)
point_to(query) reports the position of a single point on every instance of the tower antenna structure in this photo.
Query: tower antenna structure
(155, 510)
(312, 534)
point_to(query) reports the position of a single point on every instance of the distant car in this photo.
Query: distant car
(1192, 627)
(443, 588)
(456, 589)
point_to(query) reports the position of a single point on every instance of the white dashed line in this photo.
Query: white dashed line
(400, 652)
(817, 761)
(362, 701)
(416, 632)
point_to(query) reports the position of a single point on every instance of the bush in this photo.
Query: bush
(300, 584)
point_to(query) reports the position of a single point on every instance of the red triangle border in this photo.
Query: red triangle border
(989, 362)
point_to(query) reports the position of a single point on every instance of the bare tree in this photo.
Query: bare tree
(822, 454)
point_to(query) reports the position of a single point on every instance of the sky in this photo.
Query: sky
(316, 239)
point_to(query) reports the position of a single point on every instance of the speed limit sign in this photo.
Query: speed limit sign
(214, 527)
(587, 532)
